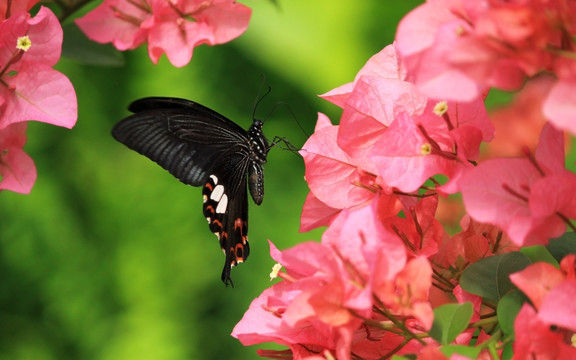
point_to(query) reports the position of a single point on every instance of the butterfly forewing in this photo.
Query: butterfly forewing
(201, 147)
(184, 142)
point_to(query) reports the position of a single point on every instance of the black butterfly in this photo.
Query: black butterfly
(201, 147)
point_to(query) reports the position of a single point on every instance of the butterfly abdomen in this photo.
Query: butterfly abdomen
(258, 152)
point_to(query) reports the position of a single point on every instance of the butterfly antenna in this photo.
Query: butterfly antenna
(258, 100)
(291, 113)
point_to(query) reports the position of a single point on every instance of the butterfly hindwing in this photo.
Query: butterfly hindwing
(203, 148)
(226, 209)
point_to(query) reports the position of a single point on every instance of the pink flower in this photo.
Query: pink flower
(537, 339)
(443, 140)
(334, 179)
(408, 293)
(390, 136)
(558, 306)
(420, 232)
(263, 322)
(550, 330)
(29, 88)
(118, 22)
(536, 281)
(17, 170)
(391, 131)
(380, 90)
(560, 105)
(16, 6)
(527, 197)
(315, 213)
(474, 242)
(362, 240)
(327, 289)
(457, 49)
(372, 344)
(307, 309)
(172, 27)
(519, 122)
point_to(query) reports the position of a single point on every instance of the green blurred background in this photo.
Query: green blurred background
(110, 257)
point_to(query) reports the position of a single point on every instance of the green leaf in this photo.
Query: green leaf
(562, 246)
(508, 308)
(488, 277)
(404, 357)
(449, 321)
(539, 253)
(77, 46)
(468, 351)
(507, 351)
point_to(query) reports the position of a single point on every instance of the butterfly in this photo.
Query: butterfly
(200, 147)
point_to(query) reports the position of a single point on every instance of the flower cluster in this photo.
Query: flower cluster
(387, 278)
(172, 27)
(549, 326)
(29, 88)
(457, 49)
(530, 198)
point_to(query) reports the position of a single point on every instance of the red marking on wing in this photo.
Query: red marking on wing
(209, 208)
(239, 258)
(238, 224)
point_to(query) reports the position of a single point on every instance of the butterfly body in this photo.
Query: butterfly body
(203, 148)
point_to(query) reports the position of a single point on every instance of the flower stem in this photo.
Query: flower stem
(68, 10)
(410, 335)
(8, 5)
(497, 243)
(441, 278)
(567, 221)
(395, 350)
(482, 322)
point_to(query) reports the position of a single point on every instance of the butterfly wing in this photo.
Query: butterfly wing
(183, 137)
(226, 209)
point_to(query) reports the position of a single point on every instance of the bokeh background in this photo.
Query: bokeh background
(110, 257)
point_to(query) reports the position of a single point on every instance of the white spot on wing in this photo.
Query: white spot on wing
(214, 179)
(217, 193)
(222, 204)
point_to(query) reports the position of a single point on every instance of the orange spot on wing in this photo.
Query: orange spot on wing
(239, 249)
